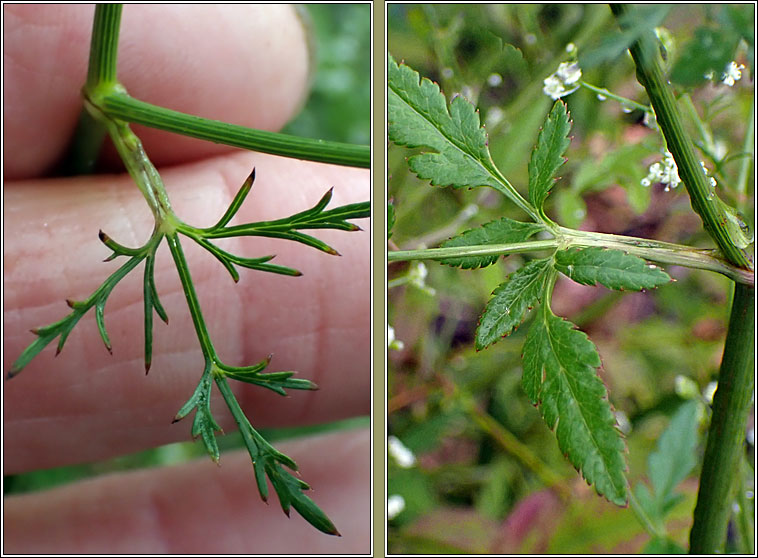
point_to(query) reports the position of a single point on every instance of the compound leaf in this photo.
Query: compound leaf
(502, 231)
(559, 376)
(614, 269)
(419, 117)
(547, 156)
(510, 302)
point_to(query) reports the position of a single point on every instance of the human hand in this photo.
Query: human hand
(242, 64)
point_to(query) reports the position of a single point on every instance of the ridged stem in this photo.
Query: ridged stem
(123, 107)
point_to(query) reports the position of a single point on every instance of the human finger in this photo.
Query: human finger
(199, 507)
(244, 64)
(86, 404)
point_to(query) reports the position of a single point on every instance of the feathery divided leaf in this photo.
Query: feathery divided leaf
(547, 156)
(502, 231)
(62, 328)
(204, 425)
(152, 302)
(275, 381)
(287, 227)
(268, 461)
(614, 269)
(560, 377)
(510, 302)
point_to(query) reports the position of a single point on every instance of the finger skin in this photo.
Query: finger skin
(86, 404)
(244, 64)
(200, 508)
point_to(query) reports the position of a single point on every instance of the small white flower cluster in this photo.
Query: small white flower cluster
(667, 173)
(664, 172)
(393, 343)
(564, 81)
(732, 73)
(402, 455)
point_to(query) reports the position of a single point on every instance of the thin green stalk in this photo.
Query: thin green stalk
(610, 95)
(479, 250)
(660, 252)
(511, 444)
(104, 45)
(189, 293)
(732, 398)
(121, 106)
(647, 522)
(90, 132)
(731, 404)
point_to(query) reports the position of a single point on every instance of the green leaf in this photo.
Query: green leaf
(275, 381)
(502, 231)
(674, 458)
(710, 51)
(231, 211)
(547, 156)
(611, 268)
(152, 302)
(418, 117)
(204, 425)
(510, 302)
(559, 376)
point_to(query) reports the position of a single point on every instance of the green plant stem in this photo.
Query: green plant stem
(732, 397)
(731, 404)
(660, 252)
(90, 132)
(104, 45)
(710, 208)
(623, 100)
(123, 107)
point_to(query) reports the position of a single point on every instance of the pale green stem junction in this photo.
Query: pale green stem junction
(652, 250)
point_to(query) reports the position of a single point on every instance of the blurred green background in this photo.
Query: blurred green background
(337, 109)
(463, 413)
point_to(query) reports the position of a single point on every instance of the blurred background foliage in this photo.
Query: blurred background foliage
(339, 105)
(485, 461)
(338, 109)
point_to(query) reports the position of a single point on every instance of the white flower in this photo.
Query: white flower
(571, 48)
(732, 73)
(395, 505)
(569, 72)
(493, 80)
(553, 87)
(393, 343)
(563, 81)
(664, 172)
(402, 455)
